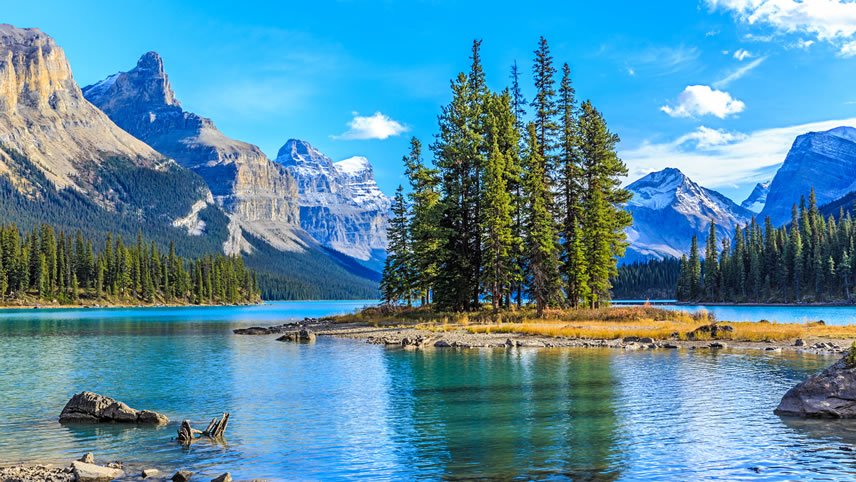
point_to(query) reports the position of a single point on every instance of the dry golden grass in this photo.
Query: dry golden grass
(601, 324)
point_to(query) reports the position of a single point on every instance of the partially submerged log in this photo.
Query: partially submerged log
(215, 431)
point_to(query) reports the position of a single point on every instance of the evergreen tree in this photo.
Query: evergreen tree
(398, 275)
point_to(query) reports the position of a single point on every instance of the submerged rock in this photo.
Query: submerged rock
(828, 394)
(89, 407)
(182, 476)
(227, 477)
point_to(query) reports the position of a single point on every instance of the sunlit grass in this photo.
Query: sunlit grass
(600, 324)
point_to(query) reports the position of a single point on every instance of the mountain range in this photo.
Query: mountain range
(668, 208)
(123, 155)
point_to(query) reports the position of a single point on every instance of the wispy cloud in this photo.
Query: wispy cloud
(738, 73)
(717, 158)
(702, 100)
(742, 54)
(657, 60)
(376, 126)
(832, 21)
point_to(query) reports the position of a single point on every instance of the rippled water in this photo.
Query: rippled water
(342, 409)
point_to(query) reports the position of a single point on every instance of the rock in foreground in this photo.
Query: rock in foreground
(92, 472)
(88, 407)
(828, 394)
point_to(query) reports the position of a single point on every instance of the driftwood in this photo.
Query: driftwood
(215, 431)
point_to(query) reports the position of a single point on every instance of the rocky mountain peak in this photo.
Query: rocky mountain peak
(825, 161)
(299, 153)
(145, 87)
(757, 198)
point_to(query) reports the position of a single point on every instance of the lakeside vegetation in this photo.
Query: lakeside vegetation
(46, 266)
(597, 324)
(511, 207)
(811, 260)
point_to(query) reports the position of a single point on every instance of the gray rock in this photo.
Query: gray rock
(89, 407)
(227, 477)
(147, 473)
(36, 473)
(442, 344)
(301, 336)
(828, 394)
(646, 340)
(630, 339)
(88, 458)
(799, 342)
(182, 476)
(91, 472)
(717, 345)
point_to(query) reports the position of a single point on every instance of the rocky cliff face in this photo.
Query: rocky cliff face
(259, 195)
(47, 124)
(825, 161)
(668, 208)
(757, 198)
(340, 203)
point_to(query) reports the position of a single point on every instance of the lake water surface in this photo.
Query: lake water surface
(341, 409)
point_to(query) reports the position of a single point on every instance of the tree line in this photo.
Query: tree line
(47, 265)
(511, 207)
(647, 280)
(808, 260)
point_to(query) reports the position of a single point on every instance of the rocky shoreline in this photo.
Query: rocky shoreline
(409, 337)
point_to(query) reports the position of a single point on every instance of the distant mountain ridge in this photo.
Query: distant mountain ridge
(825, 161)
(757, 198)
(340, 203)
(668, 208)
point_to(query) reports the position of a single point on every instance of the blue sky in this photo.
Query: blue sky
(717, 88)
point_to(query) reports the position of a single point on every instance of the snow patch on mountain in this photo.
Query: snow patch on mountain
(757, 198)
(668, 208)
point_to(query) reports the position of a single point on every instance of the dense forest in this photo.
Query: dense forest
(808, 260)
(45, 265)
(647, 280)
(512, 206)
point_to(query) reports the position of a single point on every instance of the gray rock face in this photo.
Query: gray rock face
(757, 198)
(828, 394)
(668, 208)
(825, 161)
(259, 194)
(301, 336)
(340, 203)
(89, 407)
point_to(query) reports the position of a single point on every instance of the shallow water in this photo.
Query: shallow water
(341, 409)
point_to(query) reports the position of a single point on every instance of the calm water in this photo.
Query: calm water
(341, 409)
(837, 315)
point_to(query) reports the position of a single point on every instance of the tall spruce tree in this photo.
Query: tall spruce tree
(544, 106)
(574, 266)
(425, 214)
(398, 275)
(605, 219)
(542, 248)
(498, 241)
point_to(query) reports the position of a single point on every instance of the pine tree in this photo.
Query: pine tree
(694, 267)
(425, 206)
(544, 106)
(711, 265)
(541, 240)
(398, 275)
(574, 266)
(498, 241)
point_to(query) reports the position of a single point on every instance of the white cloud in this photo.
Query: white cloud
(376, 126)
(848, 49)
(631, 71)
(803, 43)
(717, 158)
(742, 54)
(832, 21)
(700, 100)
(739, 73)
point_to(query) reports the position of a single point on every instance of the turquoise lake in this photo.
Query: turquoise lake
(340, 409)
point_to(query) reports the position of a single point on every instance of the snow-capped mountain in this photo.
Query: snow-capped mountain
(757, 198)
(340, 203)
(668, 208)
(825, 161)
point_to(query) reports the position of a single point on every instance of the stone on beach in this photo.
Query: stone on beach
(227, 477)
(34, 473)
(150, 473)
(828, 394)
(88, 458)
(91, 472)
(302, 336)
(182, 476)
(91, 407)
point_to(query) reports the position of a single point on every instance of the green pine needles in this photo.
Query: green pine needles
(510, 209)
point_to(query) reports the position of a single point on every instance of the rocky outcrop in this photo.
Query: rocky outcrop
(89, 407)
(51, 137)
(828, 394)
(33, 473)
(301, 336)
(259, 194)
(340, 203)
(757, 198)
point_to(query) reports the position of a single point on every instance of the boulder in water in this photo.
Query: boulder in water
(828, 394)
(92, 472)
(89, 407)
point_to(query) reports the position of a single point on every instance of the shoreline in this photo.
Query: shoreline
(412, 337)
(98, 306)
